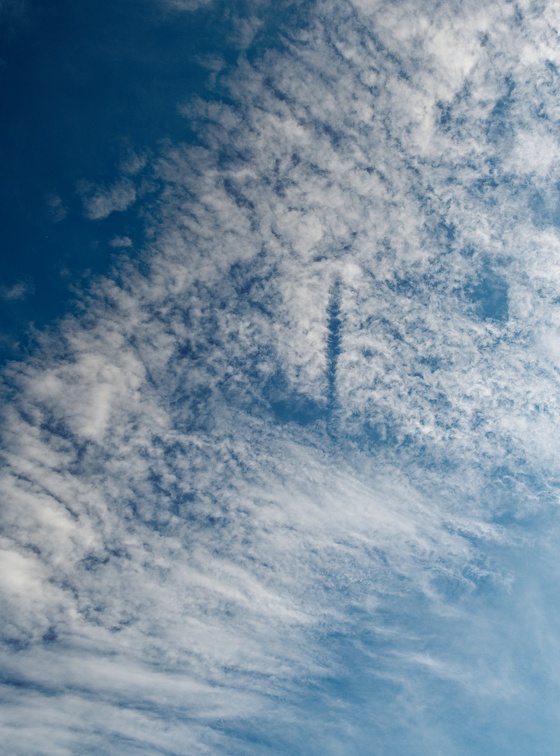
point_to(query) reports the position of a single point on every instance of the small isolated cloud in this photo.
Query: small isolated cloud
(19, 290)
(121, 241)
(101, 201)
(56, 208)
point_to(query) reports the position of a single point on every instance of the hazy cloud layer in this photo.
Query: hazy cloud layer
(289, 484)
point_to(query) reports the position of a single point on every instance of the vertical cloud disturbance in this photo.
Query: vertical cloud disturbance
(287, 482)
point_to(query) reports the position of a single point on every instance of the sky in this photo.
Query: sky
(280, 377)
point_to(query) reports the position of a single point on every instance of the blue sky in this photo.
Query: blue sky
(279, 312)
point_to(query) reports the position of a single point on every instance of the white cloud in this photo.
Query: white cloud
(134, 162)
(99, 202)
(303, 444)
(185, 5)
(57, 210)
(17, 291)
(121, 242)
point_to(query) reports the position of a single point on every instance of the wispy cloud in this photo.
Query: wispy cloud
(57, 210)
(17, 291)
(185, 5)
(287, 488)
(99, 201)
(121, 241)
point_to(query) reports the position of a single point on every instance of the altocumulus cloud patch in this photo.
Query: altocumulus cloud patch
(289, 483)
